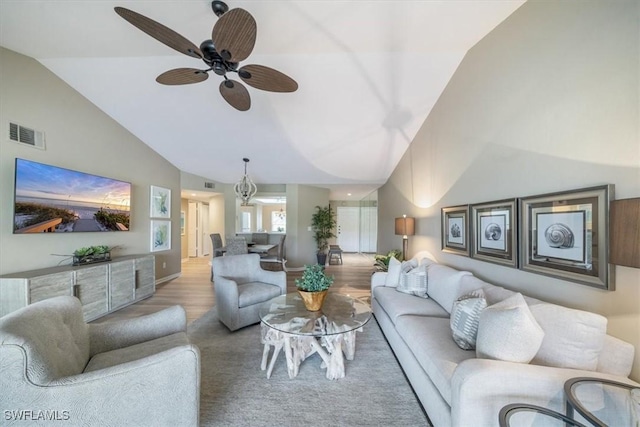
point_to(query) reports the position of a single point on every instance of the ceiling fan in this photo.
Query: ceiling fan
(232, 41)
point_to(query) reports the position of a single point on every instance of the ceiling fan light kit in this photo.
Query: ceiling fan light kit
(232, 40)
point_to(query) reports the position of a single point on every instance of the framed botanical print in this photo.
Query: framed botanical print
(160, 235)
(566, 235)
(455, 230)
(494, 232)
(160, 202)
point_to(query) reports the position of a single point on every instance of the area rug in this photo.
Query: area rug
(235, 392)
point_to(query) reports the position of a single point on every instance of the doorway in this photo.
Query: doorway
(199, 243)
(348, 224)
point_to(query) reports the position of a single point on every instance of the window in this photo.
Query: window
(279, 221)
(245, 222)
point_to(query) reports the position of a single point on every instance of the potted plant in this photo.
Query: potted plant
(323, 222)
(382, 261)
(313, 286)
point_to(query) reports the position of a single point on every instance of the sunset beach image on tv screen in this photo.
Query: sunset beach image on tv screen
(53, 199)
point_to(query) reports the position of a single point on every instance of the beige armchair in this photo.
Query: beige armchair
(241, 286)
(140, 372)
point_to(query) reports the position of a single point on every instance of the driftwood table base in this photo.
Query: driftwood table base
(333, 349)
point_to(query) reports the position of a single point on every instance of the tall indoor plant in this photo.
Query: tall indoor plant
(323, 222)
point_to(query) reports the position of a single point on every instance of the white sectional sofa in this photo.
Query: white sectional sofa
(456, 387)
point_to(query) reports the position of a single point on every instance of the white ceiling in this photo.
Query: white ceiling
(369, 72)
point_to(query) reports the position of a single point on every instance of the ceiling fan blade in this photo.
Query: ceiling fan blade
(182, 76)
(266, 78)
(234, 35)
(235, 94)
(159, 32)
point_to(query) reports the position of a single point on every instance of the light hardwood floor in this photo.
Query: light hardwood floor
(194, 291)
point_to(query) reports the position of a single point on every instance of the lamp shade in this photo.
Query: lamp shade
(405, 226)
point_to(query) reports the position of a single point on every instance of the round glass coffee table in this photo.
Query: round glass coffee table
(603, 402)
(331, 332)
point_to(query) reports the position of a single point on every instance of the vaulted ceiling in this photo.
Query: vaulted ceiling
(368, 72)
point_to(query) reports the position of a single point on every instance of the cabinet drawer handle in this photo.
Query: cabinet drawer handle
(76, 291)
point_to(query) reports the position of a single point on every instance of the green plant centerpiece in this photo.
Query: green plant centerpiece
(91, 254)
(313, 286)
(323, 222)
(382, 261)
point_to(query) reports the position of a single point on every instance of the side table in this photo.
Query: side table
(603, 402)
(519, 414)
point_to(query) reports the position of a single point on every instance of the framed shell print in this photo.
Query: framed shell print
(494, 232)
(566, 235)
(455, 230)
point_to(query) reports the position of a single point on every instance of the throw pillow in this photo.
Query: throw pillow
(444, 284)
(508, 331)
(573, 338)
(414, 282)
(465, 317)
(393, 273)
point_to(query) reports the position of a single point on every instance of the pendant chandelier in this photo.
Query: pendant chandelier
(245, 189)
(281, 213)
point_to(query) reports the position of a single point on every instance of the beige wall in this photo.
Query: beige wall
(548, 101)
(81, 137)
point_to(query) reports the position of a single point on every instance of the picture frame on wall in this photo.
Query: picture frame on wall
(566, 235)
(182, 222)
(494, 232)
(160, 203)
(160, 238)
(455, 230)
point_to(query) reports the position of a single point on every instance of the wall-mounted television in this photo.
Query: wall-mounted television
(52, 199)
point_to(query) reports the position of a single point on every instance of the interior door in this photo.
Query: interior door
(192, 226)
(348, 228)
(204, 226)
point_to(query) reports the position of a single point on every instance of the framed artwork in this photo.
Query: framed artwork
(455, 230)
(494, 232)
(182, 216)
(160, 202)
(160, 235)
(566, 235)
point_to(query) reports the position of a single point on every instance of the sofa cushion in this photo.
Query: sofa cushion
(465, 317)
(398, 304)
(393, 273)
(429, 339)
(508, 331)
(255, 292)
(135, 352)
(414, 282)
(444, 284)
(573, 338)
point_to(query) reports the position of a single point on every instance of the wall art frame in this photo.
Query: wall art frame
(566, 235)
(160, 239)
(160, 202)
(455, 230)
(494, 232)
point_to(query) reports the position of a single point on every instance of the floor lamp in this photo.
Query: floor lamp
(405, 227)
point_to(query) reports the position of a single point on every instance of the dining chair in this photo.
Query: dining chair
(216, 248)
(276, 260)
(236, 246)
(260, 238)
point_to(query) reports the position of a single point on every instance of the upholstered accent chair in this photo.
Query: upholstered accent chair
(141, 371)
(241, 286)
(236, 245)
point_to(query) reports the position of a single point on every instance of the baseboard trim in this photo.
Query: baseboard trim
(167, 278)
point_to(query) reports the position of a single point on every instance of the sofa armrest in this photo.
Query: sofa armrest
(124, 333)
(481, 387)
(161, 389)
(378, 279)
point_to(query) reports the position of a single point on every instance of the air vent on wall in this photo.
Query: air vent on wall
(209, 185)
(25, 135)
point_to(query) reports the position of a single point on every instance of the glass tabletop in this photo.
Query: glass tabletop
(339, 314)
(523, 414)
(603, 402)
